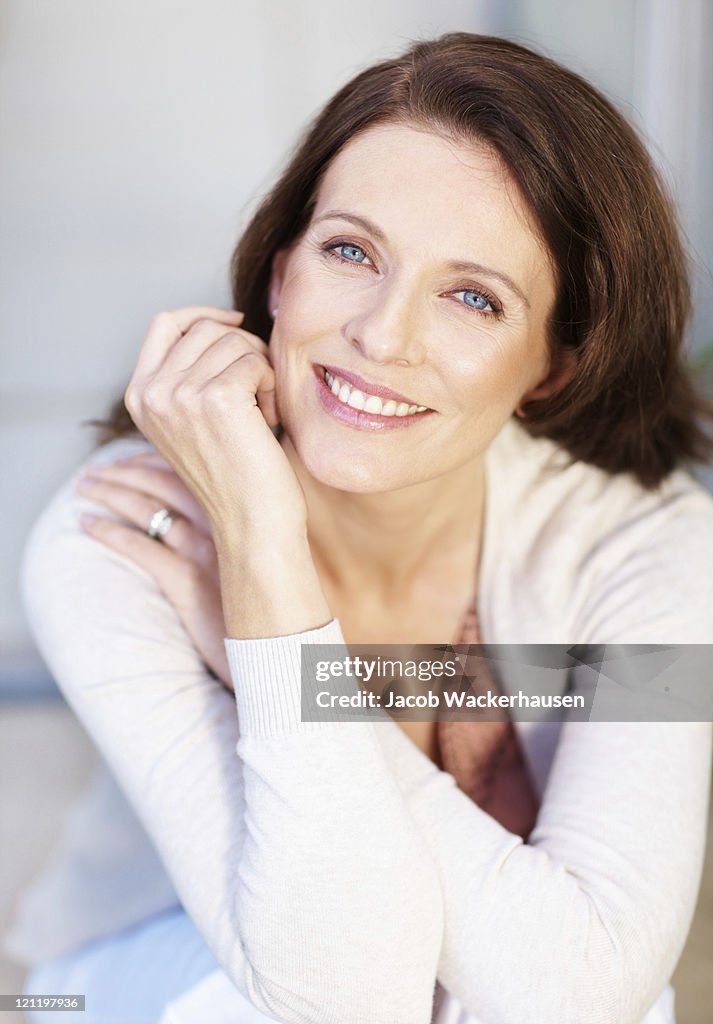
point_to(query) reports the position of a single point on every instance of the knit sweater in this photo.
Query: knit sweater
(335, 872)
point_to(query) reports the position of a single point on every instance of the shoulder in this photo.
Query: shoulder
(56, 531)
(82, 599)
(543, 482)
(65, 506)
(609, 549)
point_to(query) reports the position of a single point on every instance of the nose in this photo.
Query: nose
(386, 327)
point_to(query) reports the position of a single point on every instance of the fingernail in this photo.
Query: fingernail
(87, 521)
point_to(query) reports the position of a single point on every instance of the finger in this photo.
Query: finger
(179, 580)
(225, 350)
(248, 374)
(166, 566)
(161, 483)
(266, 397)
(138, 509)
(192, 346)
(166, 328)
(151, 458)
(267, 404)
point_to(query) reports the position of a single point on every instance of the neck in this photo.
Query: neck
(383, 542)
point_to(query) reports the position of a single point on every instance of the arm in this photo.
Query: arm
(559, 891)
(586, 922)
(297, 859)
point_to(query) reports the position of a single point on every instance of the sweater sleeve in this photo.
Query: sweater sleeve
(327, 870)
(295, 857)
(585, 923)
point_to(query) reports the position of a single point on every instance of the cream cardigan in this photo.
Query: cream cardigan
(333, 870)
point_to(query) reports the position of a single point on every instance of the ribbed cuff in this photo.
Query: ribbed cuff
(268, 681)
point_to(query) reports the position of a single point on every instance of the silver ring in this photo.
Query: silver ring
(161, 522)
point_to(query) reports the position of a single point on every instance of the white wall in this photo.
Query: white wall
(594, 37)
(134, 138)
(673, 99)
(653, 59)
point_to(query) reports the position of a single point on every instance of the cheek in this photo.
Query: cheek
(487, 372)
(303, 321)
(308, 289)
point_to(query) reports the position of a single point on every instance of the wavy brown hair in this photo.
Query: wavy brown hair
(623, 296)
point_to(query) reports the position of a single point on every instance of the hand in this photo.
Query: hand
(184, 563)
(203, 391)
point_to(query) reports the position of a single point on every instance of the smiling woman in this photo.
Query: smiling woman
(407, 315)
(453, 406)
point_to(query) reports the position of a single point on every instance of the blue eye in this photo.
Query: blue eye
(475, 300)
(479, 302)
(350, 252)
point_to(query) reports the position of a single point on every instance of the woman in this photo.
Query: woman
(474, 296)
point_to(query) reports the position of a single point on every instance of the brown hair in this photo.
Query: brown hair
(623, 297)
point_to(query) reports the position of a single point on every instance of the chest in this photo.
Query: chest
(484, 757)
(430, 616)
(433, 624)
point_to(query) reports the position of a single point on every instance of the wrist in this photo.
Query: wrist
(270, 588)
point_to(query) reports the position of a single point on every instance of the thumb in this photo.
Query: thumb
(267, 404)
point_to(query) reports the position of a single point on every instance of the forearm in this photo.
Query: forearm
(308, 820)
(269, 585)
(585, 923)
(362, 916)
(332, 858)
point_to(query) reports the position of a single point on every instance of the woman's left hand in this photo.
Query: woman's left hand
(183, 563)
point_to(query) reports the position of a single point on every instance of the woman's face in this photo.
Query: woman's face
(421, 273)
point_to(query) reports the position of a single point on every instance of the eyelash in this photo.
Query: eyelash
(495, 312)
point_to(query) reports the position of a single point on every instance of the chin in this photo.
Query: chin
(359, 476)
(341, 466)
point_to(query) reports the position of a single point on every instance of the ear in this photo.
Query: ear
(561, 371)
(277, 273)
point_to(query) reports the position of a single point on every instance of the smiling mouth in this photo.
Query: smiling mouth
(349, 395)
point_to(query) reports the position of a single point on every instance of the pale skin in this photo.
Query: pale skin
(381, 529)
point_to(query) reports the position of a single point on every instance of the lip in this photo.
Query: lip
(358, 419)
(366, 386)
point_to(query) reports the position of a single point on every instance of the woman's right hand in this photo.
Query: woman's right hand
(184, 564)
(204, 392)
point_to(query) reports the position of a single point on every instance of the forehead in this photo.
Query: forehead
(453, 200)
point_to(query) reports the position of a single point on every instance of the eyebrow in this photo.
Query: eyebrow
(458, 265)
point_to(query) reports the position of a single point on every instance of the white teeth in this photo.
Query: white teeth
(368, 403)
(356, 399)
(372, 404)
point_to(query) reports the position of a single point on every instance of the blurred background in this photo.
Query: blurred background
(135, 140)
